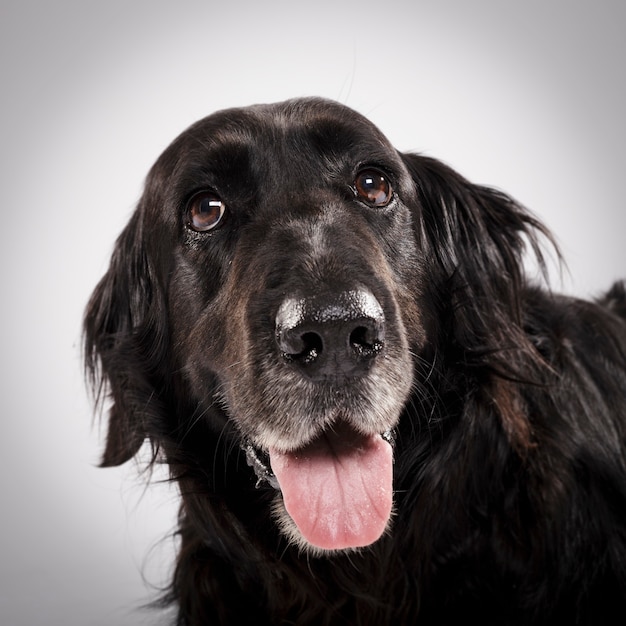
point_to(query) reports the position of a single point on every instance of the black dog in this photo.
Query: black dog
(372, 416)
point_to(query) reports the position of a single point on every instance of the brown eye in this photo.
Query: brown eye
(205, 211)
(373, 187)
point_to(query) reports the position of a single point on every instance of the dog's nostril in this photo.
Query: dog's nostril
(360, 336)
(366, 342)
(302, 347)
(313, 344)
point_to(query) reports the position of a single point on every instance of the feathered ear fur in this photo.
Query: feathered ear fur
(124, 343)
(476, 233)
(476, 237)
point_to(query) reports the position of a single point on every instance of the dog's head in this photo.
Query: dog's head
(284, 284)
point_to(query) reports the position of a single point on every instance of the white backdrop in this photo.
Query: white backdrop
(529, 97)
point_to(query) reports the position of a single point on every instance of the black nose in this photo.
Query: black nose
(331, 337)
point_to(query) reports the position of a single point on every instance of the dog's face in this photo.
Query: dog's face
(281, 282)
(288, 290)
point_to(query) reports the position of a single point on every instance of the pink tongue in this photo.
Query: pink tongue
(338, 491)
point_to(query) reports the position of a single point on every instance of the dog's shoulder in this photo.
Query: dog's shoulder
(591, 328)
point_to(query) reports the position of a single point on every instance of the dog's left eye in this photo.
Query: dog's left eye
(205, 211)
(373, 187)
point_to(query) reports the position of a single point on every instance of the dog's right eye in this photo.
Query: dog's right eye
(205, 211)
(372, 187)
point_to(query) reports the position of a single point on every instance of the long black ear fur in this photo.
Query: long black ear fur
(477, 236)
(125, 330)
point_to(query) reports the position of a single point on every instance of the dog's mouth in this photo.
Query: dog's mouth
(337, 489)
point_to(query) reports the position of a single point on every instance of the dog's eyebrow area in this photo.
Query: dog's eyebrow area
(238, 150)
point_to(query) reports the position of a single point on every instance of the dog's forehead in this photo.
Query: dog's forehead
(293, 128)
(298, 146)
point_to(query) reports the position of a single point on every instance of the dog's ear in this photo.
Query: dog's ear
(476, 234)
(473, 238)
(125, 330)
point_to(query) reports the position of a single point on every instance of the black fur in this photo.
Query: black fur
(508, 403)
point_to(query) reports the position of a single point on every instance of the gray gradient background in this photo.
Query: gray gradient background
(527, 96)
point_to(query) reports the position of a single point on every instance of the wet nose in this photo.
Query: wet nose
(331, 337)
